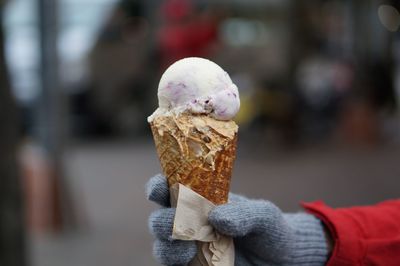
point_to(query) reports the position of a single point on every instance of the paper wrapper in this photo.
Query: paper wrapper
(198, 152)
(191, 223)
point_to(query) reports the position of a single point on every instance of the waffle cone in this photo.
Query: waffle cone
(197, 151)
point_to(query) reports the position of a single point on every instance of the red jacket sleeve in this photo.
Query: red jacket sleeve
(367, 235)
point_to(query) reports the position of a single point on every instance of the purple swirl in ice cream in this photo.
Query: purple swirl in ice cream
(199, 86)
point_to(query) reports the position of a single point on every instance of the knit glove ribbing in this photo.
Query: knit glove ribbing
(262, 234)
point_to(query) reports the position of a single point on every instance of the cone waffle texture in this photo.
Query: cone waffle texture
(197, 151)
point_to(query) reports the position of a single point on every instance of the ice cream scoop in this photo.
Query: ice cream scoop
(198, 86)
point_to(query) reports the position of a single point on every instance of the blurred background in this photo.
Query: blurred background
(319, 82)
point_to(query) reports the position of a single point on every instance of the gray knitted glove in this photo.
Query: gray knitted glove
(263, 235)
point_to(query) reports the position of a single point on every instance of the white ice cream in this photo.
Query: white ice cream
(199, 86)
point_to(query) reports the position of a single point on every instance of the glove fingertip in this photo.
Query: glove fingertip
(176, 252)
(224, 219)
(157, 190)
(161, 222)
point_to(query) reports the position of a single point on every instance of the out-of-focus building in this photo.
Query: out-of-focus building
(299, 64)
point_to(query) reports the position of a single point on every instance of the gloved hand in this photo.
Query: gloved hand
(263, 235)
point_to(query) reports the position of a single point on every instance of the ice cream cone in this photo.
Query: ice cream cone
(197, 151)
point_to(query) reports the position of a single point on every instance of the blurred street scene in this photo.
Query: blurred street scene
(319, 83)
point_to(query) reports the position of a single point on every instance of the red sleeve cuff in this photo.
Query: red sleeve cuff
(348, 249)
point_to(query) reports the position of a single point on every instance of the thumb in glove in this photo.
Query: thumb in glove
(264, 235)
